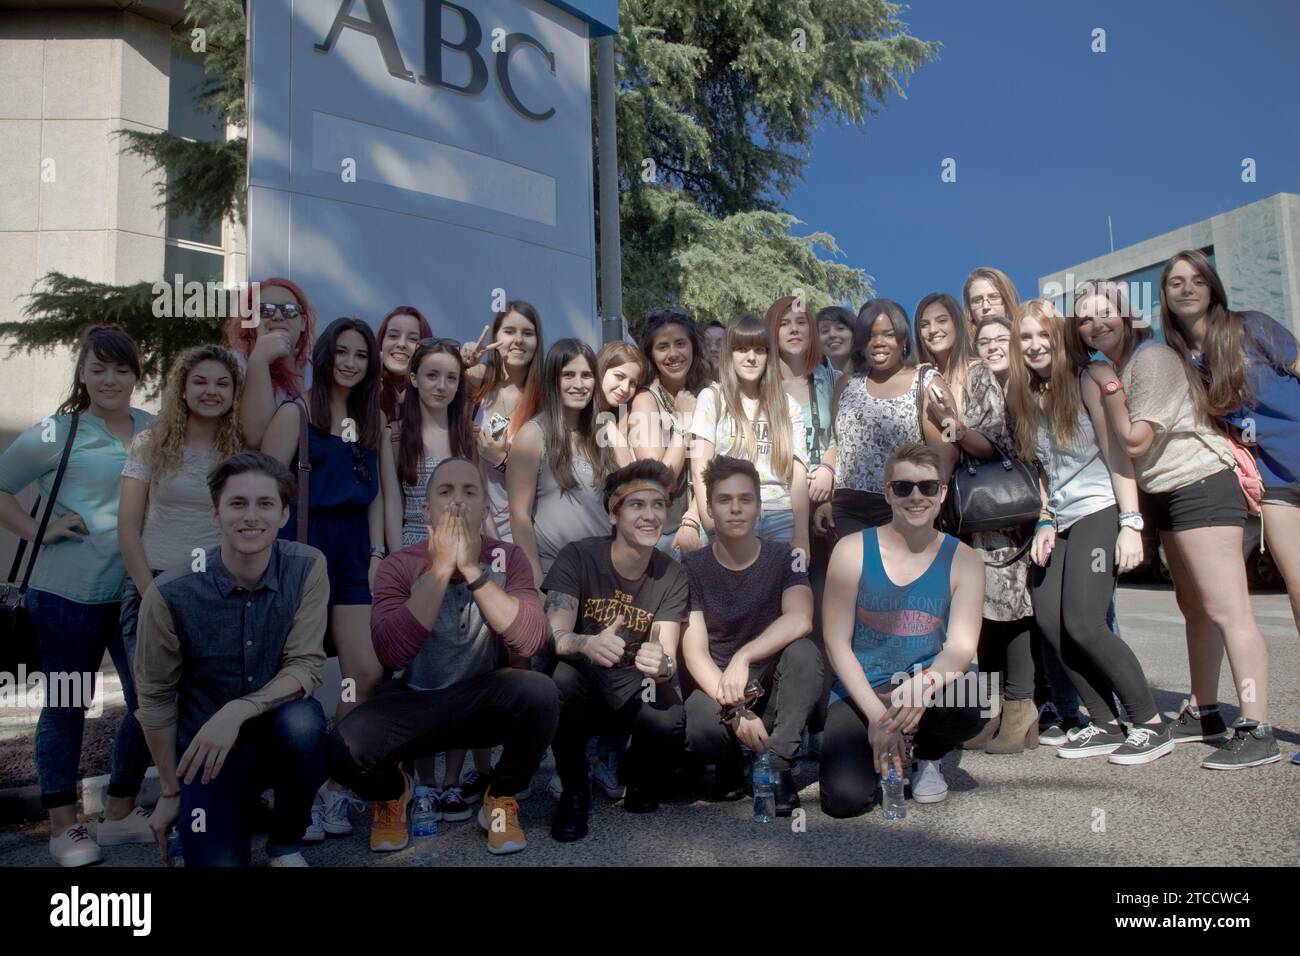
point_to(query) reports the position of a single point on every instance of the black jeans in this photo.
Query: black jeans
(854, 511)
(792, 686)
(848, 779)
(1005, 648)
(598, 700)
(1071, 599)
(515, 707)
(285, 748)
(822, 545)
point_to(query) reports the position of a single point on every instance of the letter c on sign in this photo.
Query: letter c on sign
(513, 41)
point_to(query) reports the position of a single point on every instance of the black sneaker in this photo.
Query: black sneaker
(1251, 745)
(1052, 735)
(1090, 741)
(570, 820)
(1206, 724)
(473, 786)
(1144, 744)
(454, 805)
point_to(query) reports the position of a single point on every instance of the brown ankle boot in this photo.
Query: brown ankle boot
(981, 740)
(1019, 728)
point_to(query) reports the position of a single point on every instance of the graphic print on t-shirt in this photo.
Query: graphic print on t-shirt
(602, 611)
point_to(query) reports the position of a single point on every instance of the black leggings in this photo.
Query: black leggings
(1071, 598)
(1005, 648)
(854, 511)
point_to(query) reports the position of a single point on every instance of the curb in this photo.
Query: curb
(23, 804)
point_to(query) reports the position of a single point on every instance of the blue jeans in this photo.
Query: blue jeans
(72, 638)
(285, 748)
(776, 526)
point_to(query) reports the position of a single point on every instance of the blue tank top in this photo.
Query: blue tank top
(897, 628)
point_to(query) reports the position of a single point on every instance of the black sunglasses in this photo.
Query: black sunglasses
(903, 489)
(430, 343)
(288, 310)
(359, 467)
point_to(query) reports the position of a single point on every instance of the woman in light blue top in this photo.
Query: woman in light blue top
(76, 586)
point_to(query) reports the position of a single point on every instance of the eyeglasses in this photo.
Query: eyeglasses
(1002, 340)
(359, 467)
(903, 489)
(993, 298)
(289, 310)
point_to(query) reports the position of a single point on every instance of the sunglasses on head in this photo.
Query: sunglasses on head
(430, 343)
(902, 489)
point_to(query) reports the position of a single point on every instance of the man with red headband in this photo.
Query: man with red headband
(616, 606)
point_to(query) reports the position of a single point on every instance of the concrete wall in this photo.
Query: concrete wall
(1256, 250)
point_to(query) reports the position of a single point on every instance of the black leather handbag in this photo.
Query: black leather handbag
(997, 495)
(18, 644)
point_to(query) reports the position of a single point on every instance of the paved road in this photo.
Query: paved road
(1031, 809)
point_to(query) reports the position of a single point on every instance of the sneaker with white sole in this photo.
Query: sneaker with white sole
(1252, 744)
(473, 785)
(453, 805)
(132, 828)
(604, 776)
(74, 847)
(289, 859)
(1144, 744)
(1199, 724)
(1090, 741)
(315, 832)
(338, 804)
(556, 788)
(928, 785)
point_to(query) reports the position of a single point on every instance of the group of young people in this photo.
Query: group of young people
(653, 560)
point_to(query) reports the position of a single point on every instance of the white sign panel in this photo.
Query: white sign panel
(425, 153)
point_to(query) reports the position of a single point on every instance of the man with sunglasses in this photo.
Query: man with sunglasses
(751, 609)
(447, 613)
(902, 613)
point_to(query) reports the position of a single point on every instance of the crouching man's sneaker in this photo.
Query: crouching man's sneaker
(289, 859)
(1144, 744)
(132, 828)
(74, 847)
(928, 785)
(1251, 745)
(388, 829)
(499, 817)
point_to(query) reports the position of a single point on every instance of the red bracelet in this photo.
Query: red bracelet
(830, 468)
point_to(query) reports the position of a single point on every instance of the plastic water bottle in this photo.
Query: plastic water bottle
(174, 855)
(764, 798)
(424, 826)
(892, 801)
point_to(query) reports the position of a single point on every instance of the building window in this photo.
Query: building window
(1143, 289)
(194, 253)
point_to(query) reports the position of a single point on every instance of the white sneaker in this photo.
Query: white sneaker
(555, 788)
(928, 785)
(337, 804)
(605, 777)
(74, 847)
(315, 833)
(289, 859)
(132, 828)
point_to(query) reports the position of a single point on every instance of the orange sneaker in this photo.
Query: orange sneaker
(499, 816)
(388, 829)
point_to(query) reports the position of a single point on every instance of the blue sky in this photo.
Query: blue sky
(1049, 137)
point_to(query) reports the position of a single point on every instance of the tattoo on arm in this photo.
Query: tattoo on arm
(561, 601)
(564, 642)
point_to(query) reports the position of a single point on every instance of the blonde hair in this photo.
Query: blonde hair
(165, 439)
(1055, 400)
(749, 332)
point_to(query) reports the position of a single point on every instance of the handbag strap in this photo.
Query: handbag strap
(920, 400)
(1020, 553)
(49, 505)
(816, 450)
(304, 472)
(22, 546)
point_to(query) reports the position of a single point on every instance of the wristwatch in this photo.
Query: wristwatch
(1111, 387)
(1132, 519)
(379, 553)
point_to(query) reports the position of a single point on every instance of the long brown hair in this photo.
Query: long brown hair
(1002, 282)
(1053, 401)
(956, 368)
(111, 345)
(392, 386)
(749, 332)
(166, 436)
(363, 399)
(530, 393)
(460, 431)
(612, 355)
(1224, 387)
(1113, 292)
(779, 309)
(555, 433)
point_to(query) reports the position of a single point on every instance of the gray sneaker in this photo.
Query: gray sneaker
(1202, 725)
(1251, 745)
(1090, 741)
(1144, 744)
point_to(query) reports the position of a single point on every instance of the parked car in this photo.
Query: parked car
(1261, 571)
